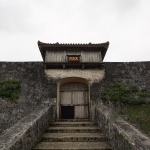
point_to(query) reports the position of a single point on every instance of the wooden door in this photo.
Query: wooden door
(75, 94)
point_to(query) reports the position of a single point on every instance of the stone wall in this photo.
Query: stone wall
(129, 72)
(25, 134)
(120, 134)
(35, 89)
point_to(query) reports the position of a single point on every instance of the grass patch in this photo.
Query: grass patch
(10, 88)
(139, 115)
(135, 100)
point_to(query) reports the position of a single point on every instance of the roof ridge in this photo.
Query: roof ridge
(71, 44)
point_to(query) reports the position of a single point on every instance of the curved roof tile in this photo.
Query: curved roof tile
(86, 45)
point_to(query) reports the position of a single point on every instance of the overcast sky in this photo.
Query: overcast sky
(124, 23)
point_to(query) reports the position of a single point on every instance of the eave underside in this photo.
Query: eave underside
(73, 65)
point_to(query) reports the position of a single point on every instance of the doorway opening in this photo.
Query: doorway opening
(67, 112)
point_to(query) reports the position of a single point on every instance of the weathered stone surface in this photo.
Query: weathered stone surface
(122, 135)
(73, 146)
(73, 129)
(72, 137)
(129, 72)
(35, 89)
(72, 124)
(24, 134)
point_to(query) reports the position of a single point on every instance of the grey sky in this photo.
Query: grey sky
(124, 23)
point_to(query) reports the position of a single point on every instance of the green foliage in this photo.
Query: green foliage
(134, 89)
(10, 88)
(143, 94)
(118, 91)
(144, 90)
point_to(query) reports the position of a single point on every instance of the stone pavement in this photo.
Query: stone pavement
(73, 135)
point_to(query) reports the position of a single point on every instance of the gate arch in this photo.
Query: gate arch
(73, 96)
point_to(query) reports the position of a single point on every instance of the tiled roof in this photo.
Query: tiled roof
(49, 46)
(61, 45)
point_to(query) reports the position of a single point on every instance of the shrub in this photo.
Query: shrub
(134, 89)
(118, 91)
(10, 88)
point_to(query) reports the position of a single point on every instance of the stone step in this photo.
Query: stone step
(69, 124)
(72, 120)
(80, 135)
(73, 137)
(92, 129)
(73, 146)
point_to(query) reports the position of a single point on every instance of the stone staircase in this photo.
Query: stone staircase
(73, 135)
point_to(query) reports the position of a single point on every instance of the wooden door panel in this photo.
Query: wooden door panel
(75, 94)
(66, 98)
(74, 87)
(86, 111)
(80, 97)
(81, 112)
(77, 97)
(85, 95)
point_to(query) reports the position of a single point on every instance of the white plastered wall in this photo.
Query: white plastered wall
(92, 75)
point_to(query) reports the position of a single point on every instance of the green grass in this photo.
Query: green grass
(139, 115)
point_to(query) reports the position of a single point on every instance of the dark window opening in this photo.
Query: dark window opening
(67, 112)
